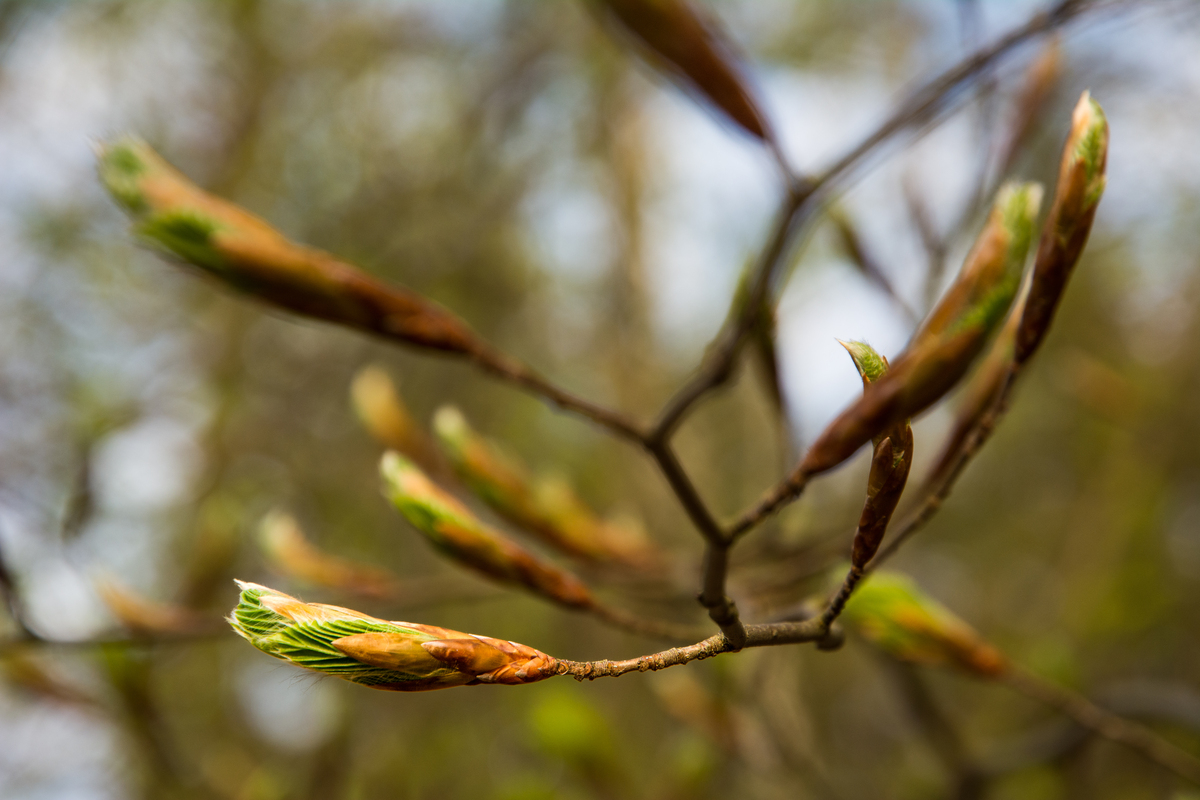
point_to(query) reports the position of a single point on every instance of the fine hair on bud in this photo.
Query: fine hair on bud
(380, 654)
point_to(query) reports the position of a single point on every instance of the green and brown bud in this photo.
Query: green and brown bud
(896, 616)
(176, 216)
(380, 654)
(459, 534)
(684, 42)
(947, 343)
(982, 390)
(291, 554)
(548, 508)
(869, 363)
(890, 466)
(1081, 181)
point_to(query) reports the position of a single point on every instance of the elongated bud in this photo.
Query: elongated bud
(890, 464)
(889, 474)
(459, 534)
(683, 41)
(145, 616)
(244, 251)
(549, 509)
(949, 340)
(982, 390)
(1081, 181)
(289, 552)
(380, 654)
(890, 611)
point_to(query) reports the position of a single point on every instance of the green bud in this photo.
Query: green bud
(890, 611)
(380, 654)
(870, 364)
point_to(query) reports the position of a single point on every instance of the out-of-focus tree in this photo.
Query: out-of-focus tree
(616, 390)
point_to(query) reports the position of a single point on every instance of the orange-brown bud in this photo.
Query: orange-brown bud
(245, 252)
(1081, 182)
(681, 38)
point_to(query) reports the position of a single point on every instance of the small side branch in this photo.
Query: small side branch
(759, 635)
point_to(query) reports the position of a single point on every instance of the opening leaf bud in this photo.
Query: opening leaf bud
(380, 654)
(947, 343)
(1081, 182)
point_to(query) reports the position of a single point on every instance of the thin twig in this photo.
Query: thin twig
(720, 607)
(925, 102)
(520, 375)
(920, 105)
(784, 492)
(1118, 729)
(759, 635)
(721, 355)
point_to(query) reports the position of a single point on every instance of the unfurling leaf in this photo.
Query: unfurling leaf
(890, 611)
(683, 41)
(292, 554)
(550, 509)
(1081, 181)
(380, 654)
(462, 536)
(173, 214)
(869, 363)
(947, 343)
(384, 414)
